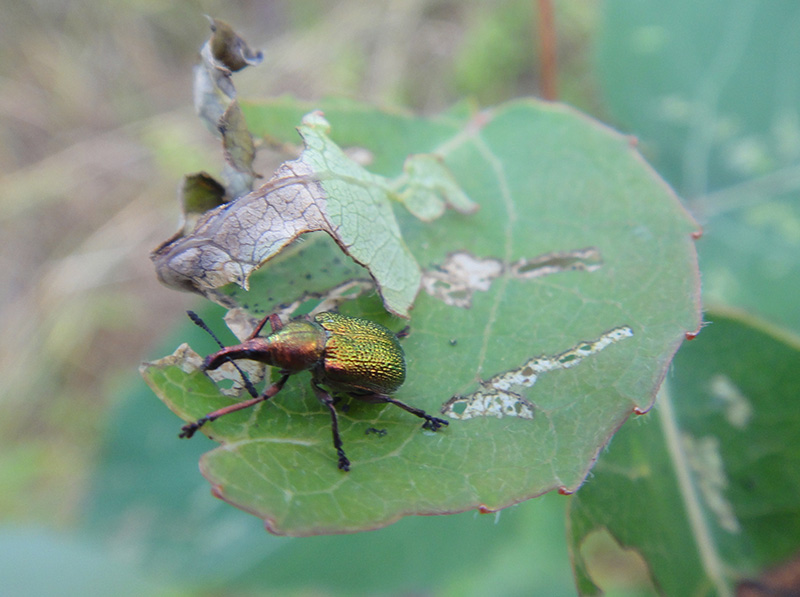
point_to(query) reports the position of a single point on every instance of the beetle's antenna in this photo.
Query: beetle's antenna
(202, 325)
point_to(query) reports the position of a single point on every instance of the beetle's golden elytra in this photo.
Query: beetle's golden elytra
(351, 355)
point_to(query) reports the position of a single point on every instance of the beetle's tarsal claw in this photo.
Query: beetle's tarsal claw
(189, 429)
(434, 424)
(344, 463)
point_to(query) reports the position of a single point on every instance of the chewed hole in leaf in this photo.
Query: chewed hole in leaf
(456, 280)
(587, 260)
(495, 397)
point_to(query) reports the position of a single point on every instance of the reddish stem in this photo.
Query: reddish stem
(547, 50)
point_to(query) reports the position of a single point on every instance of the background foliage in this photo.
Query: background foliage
(97, 130)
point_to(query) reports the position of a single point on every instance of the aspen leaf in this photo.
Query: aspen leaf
(544, 321)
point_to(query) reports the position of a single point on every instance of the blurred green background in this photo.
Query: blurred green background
(97, 130)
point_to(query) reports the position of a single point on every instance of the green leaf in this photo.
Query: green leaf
(706, 87)
(565, 296)
(708, 484)
(430, 188)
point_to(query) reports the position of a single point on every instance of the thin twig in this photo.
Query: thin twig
(548, 64)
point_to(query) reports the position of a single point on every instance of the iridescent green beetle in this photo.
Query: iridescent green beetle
(355, 356)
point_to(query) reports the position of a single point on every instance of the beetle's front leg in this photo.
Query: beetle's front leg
(327, 400)
(189, 429)
(274, 323)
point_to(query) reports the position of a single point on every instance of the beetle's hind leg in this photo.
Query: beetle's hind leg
(432, 423)
(327, 400)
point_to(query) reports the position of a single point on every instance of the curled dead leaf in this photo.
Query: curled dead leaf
(322, 190)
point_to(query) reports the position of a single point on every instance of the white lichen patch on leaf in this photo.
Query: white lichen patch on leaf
(457, 280)
(706, 462)
(496, 396)
(738, 410)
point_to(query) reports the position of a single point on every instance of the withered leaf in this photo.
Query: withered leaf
(321, 190)
(215, 102)
(199, 193)
(239, 151)
(229, 49)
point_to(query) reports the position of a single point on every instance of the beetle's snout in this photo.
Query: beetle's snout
(252, 349)
(209, 363)
(214, 361)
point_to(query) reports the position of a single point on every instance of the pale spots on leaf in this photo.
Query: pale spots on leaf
(489, 402)
(706, 462)
(738, 408)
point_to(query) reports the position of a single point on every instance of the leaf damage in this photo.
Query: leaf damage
(499, 396)
(227, 378)
(462, 274)
(321, 190)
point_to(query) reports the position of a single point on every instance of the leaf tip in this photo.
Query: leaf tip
(316, 120)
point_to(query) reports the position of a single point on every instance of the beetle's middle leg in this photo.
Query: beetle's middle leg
(327, 400)
(432, 423)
